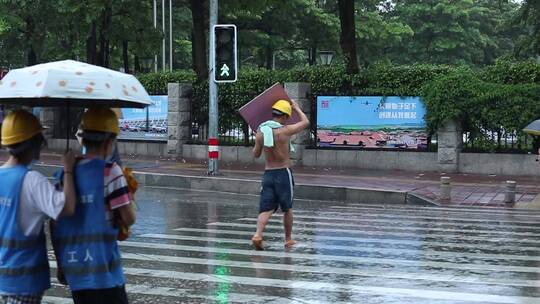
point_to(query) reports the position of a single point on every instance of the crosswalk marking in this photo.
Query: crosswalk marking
(437, 210)
(392, 233)
(468, 210)
(408, 222)
(329, 257)
(56, 300)
(179, 293)
(331, 270)
(398, 251)
(394, 227)
(370, 240)
(442, 218)
(324, 286)
(406, 258)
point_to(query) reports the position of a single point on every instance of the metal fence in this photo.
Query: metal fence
(235, 133)
(501, 141)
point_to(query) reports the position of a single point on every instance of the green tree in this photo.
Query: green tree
(451, 31)
(378, 31)
(529, 17)
(348, 34)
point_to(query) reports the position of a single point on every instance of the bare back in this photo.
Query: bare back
(278, 157)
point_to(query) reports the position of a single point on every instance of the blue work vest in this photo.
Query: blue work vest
(24, 267)
(86, 242)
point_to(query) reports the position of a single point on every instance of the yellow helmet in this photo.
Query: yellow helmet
(18, 127)
(283, 106)
(100, 120)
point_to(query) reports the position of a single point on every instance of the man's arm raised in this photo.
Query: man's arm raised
(299, 126)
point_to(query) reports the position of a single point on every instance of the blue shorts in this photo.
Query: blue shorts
(277, 190)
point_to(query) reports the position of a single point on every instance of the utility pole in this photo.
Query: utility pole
(155, 26)
(164, 33)
(213, 145)
(170, 37)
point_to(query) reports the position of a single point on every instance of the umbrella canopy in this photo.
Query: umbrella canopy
(259, 109)
(72, 83)
(533, 128)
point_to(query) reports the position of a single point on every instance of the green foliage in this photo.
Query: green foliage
(504, 106)
(156, 83)
(501, 98)
(512, 72)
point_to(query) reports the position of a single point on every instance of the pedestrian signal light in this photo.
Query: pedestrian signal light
(225, 56)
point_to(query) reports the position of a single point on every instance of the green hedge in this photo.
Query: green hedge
(325, 80)
(483, 108)
(505, 95)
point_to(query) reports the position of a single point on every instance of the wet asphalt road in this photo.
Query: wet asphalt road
(193, 247)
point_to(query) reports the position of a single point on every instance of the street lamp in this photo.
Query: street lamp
(326, 57)
(146, 63)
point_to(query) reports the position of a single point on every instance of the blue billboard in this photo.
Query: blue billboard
(371, 122)
(146, 124)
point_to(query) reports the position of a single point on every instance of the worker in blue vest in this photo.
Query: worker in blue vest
(86, 243)
(27, 199)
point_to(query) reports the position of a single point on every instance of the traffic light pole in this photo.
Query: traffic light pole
(213, 96)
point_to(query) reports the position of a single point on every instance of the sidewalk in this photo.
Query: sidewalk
(467, 190)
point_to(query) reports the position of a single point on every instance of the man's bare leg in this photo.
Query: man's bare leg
(287, 224)
(262, 220)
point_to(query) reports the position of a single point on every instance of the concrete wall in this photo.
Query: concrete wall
(384, 160)
(378, 160)
(125, 147)
(233, 154)
(499, 164)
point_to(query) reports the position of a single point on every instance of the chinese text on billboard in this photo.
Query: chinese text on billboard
(371, 122)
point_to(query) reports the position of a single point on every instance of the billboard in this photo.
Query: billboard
(145, 124)
(390, 122)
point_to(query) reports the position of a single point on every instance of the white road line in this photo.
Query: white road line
(332, 287)
(495, 247)
(425, 252)
(439, 218)
(332, 270)
(186, 293)
(356, 224)
(325, 257)
(342, 217)
(458, 210)
(56, 300)
(490, 239)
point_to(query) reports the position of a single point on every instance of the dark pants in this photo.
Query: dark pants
(116, 295)
(277, 190)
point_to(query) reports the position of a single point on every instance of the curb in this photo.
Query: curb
(248, 186)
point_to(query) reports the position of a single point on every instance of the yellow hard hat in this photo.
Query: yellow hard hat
(100, 120)
(18, 127)
(283, 106)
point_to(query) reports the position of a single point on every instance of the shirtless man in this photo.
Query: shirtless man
(273, 137)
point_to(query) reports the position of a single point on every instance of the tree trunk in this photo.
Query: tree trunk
(198, 46)
(312, 55)
(268, 55)
(91, 47)
(125, 56)
(104, 45)
(31, 56)
(348, 38)
(136, 64)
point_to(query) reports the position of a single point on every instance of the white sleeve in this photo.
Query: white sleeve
(43, 196)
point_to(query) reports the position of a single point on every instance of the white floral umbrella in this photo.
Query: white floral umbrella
(72, 83)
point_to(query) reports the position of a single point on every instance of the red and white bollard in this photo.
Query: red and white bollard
(213, 155)
(213, 148)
